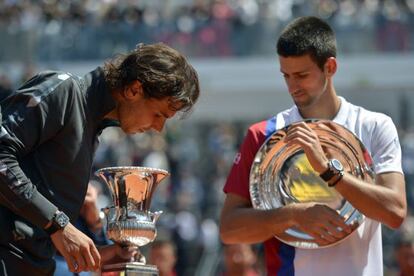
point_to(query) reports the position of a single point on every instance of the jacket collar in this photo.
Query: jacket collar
(98, 98)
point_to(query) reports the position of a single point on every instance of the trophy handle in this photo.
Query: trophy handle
(155, 216)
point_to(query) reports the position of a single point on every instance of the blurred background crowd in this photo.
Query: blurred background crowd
(52, 29)
(52, 34)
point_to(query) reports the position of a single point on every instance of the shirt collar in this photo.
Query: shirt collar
(98, 96)
(339, 118)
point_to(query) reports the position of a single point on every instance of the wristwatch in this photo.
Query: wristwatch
(335, 168)
(59, 221)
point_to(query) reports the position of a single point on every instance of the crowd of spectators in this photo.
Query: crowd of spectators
(64, 30)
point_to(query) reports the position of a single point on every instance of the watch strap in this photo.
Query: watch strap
(328, 174)
(335, 168)
(340, 176)
(59, 221)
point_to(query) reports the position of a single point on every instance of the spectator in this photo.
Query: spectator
(239, 260)
(404, 254)
(163, 256)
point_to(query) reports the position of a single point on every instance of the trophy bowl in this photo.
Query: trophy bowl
(129, 220)
(281, 175)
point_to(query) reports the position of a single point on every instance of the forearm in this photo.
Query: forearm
(27, 125)
(18, 194)
(377, 202)
(248, 225)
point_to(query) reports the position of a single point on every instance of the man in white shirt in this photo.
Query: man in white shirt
(307, 55)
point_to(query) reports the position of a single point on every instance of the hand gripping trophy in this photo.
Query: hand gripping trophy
(129, 221)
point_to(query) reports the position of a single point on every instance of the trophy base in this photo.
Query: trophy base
(129, 269)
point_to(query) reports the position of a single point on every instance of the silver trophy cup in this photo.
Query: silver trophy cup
(129, 221)
(282, 175)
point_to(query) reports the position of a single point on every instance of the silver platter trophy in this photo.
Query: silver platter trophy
(129, 221)
(281, 175)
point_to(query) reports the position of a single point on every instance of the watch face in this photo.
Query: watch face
(337, 165)
(62, 219)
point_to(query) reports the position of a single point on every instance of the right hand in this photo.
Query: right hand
(324, 224)
(78, 249)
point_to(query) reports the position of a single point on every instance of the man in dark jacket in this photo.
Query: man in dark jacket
(48, 138)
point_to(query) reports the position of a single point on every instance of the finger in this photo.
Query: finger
(72, 265)
(307, 127)
(96, 257)
(302, 128)
(354, 225)
(89, 261)
(326, 236)
(298, 140)
(322, 241)
(338, 221)
(301, 135)
(333, 223)
(336, 232)
(293, 131)
(128, 249)
(81, 264)
(129, 252)
(317, 238)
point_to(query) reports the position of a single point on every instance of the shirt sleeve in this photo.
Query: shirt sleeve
(238, 179)
(29, 120)
(386, 149)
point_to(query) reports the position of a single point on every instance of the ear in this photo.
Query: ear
(330, 66)
(133, 91)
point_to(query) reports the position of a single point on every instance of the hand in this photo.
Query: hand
(115, 253)
(324, 224)
(301, 134)
(78, 250)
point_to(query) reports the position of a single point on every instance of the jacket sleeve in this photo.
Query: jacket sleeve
(30, 119)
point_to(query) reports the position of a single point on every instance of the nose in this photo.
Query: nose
(292, 85)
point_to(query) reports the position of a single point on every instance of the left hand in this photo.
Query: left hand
(115, 253)
(301, 134)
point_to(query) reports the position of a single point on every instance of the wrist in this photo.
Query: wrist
(292, 215)
(333, 183)
(323, 168)
(58, 222)
(48, 225)
(333, 173)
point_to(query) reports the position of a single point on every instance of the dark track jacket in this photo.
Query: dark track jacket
(48, 138)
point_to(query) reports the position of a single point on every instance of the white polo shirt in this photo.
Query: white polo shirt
(361, 252)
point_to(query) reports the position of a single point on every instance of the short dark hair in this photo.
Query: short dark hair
(162, 71)
(308, 35)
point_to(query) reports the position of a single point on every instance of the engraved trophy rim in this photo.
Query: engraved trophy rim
(129, 169)
(280, 176)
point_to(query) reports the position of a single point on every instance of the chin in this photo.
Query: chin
(128, 131)
(304, 103)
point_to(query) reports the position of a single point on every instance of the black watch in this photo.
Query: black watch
(335, 168)
(59, 221)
